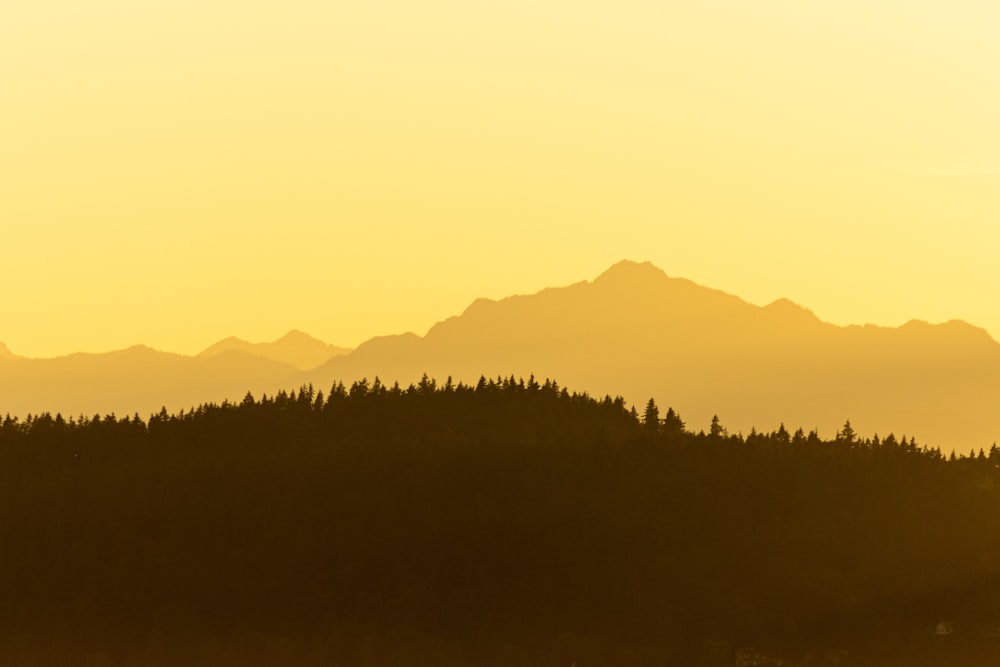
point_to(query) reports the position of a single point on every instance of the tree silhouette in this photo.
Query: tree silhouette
(651, 417)
(847, 433)
(501, 523)
(716, 430)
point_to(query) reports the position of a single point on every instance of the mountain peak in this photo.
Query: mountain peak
(295, 348)
(296, 335)
(5, 353)
(232, 340)
(631, 271)
(788, 308)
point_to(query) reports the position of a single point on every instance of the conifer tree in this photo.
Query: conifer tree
(847, 433)
(651, 417)
(716, 430)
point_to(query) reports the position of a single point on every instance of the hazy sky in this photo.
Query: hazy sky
(177, 171)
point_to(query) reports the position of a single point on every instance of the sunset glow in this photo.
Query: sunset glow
(172, 173)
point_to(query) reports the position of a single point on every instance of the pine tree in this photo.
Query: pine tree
(847, 433)
(672, 422)
(716, 430)
(651, 417)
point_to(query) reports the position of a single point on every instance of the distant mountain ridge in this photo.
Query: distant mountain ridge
(635, 331)
(295, 348)
(135, 380)
(142, 380)
(632, 331)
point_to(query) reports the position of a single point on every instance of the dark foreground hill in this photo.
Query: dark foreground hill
(637, 332)
(508, 523)
(141, 379)
(633, 331)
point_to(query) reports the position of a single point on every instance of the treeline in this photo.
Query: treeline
(507, 523)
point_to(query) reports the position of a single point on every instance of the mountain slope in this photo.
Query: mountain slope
(632, 331)
(295, 348)
(635, 331)
(137, 379)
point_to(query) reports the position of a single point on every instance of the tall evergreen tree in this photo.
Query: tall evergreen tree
(651, 417)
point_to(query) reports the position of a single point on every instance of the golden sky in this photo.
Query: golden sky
(177, 171)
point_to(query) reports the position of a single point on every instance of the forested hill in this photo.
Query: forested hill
(638, 332)
(507, 523)
(632, 331)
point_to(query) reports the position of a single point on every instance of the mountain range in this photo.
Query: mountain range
(142, 380)
(295, 348)
(632, 331)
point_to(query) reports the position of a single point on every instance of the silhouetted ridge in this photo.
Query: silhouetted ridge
(225, 343)
(959, 328)
(631, 272)
(477, 306)
(295, 348)
(789, 309)
(5, 353)
(636, 331)
(505, 522)
(395, 344)
(632, 331)
(297, 336)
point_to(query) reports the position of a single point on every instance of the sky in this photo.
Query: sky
(173, 172)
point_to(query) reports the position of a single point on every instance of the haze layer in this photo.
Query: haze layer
(633, 331)
(174, 172)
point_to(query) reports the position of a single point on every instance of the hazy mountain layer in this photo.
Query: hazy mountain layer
(295, 348)
(143, 380)
(633, 331)
(636, 332)
(138, 379)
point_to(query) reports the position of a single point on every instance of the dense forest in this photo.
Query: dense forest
(507, 523)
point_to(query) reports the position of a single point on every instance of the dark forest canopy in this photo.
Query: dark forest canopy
(402, 403)
(507, 523)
